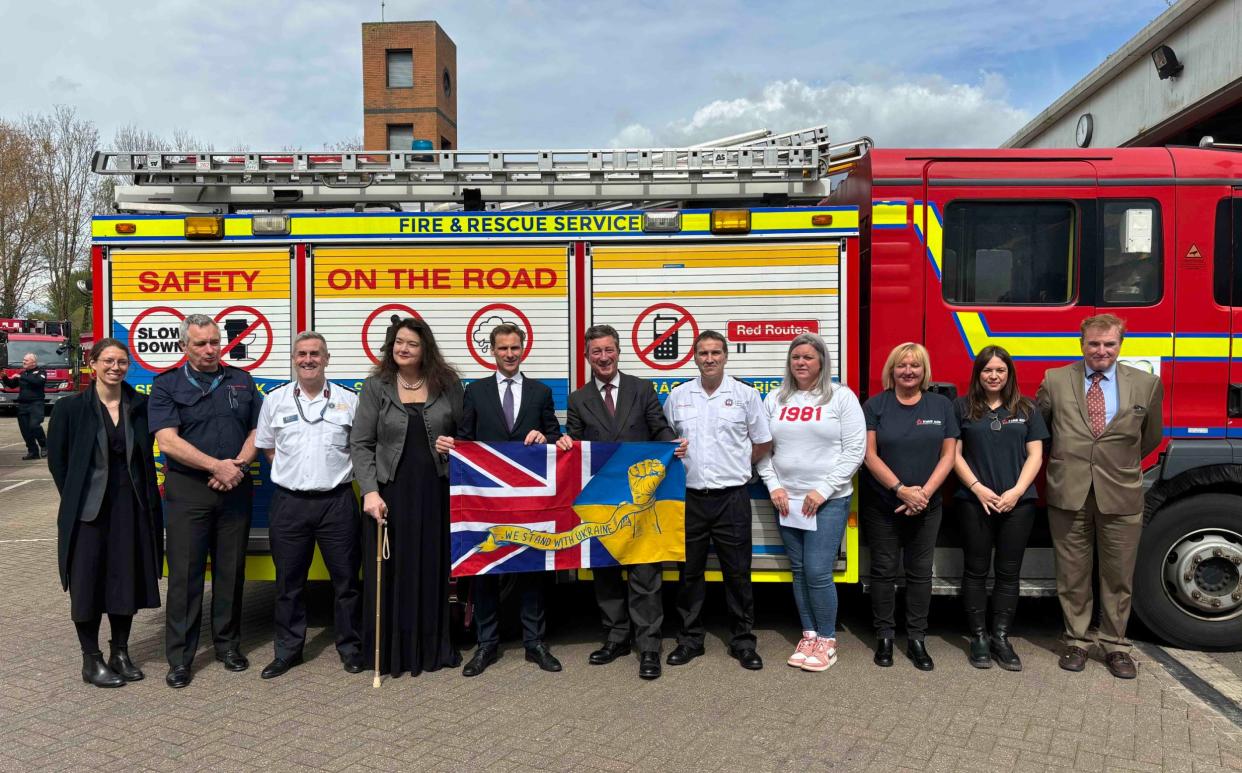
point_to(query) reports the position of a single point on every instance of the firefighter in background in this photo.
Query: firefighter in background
(31, 383)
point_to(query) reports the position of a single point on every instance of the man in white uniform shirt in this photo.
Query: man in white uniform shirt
(304, 432)
(727, 427)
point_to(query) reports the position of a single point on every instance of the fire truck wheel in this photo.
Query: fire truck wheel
(1186, 583)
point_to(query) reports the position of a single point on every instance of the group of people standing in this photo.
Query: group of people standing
(807, 440)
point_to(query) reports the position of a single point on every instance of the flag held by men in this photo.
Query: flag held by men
(519, 508)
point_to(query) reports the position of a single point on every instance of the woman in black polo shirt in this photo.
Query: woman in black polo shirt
(997, 461)
(911, 437)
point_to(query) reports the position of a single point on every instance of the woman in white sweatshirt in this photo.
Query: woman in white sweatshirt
(819, 439)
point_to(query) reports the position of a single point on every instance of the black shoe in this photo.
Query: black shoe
(541, 655)
(916, 650)
(609, 652)
(683, 654)
(883, 653)
(979, 656)
(279, 666)
(233, 660)
(649, 665)
(1002, 652)
(42, 453)
(354, 664)
(483, 657)
(29, 457)
(118, 661)
(96, 672)
(178, 677)
(749, 659)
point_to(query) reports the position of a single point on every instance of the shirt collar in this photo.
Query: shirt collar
(1110, 374)
(616, 382)
(517, 378)
(726, 385)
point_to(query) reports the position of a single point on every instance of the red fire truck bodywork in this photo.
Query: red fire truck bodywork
(1015, 247)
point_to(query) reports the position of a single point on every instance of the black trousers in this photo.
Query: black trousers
(528, 585)
(296, 521)
(992, 541)
(722, 518)
(634, 605)
(896, 539)
(202, 523)
(30, 423)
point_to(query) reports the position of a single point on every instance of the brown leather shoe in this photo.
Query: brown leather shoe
(1121, 665)
(1073, 658)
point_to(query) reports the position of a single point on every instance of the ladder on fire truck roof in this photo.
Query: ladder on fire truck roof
(757, 165)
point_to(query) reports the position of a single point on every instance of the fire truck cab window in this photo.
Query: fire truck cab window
(1009, 253)
(1130, 258)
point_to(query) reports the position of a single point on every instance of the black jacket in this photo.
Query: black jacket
(30, 384)
(71, 458)
(484, 419)
(639, 417)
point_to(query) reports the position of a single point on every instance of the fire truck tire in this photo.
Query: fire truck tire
(1186, 582)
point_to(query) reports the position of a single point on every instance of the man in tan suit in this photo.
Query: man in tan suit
(1104, 418)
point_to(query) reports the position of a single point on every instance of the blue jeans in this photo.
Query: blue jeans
(812, 555)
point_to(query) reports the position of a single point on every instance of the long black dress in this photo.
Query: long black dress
(112, 569)
(415, 626)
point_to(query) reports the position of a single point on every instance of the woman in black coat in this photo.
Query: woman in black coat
(110, 525)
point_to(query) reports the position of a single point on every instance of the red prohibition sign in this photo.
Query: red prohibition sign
(530, 332)
(259, 320)
(366, 326)
(133, 347)
(644, 352)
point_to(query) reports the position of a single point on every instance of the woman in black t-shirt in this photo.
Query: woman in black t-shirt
(997, 461)
(911, 436)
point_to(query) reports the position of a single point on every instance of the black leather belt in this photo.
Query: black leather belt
(316, 494)
(713, 492)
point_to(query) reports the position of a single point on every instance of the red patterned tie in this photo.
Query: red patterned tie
(1095, 404)
(608, 401)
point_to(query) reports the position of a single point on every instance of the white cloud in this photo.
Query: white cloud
(929, 112)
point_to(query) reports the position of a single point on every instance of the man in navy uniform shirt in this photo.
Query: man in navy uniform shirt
(203, 415)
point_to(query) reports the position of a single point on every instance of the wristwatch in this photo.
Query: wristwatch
(896, 487)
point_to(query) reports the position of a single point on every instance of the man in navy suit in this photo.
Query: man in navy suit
(509, 407)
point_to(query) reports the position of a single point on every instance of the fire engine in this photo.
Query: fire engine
(956, 249)
(49, 341)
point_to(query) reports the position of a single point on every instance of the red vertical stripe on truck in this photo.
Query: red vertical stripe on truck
(579, 290)
(301, 293)
(97, 290)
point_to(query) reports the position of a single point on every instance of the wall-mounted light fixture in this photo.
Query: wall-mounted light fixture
(1166, 62)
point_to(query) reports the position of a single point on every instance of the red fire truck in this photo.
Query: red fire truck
(49, 341)
(956, 249)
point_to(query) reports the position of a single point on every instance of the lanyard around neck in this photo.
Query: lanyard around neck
(215, 382)
(327, 393)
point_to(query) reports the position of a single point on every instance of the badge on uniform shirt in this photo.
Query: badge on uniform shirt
(290, 418)
(729, 403)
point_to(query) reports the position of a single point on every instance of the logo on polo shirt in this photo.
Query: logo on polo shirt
(928, 422)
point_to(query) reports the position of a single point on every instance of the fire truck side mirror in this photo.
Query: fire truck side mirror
(945, 388)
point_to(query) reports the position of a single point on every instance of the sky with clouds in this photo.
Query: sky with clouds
(567, 73)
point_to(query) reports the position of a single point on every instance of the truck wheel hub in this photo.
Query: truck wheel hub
(1202, 572)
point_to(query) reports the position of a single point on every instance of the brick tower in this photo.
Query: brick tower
(409, 85)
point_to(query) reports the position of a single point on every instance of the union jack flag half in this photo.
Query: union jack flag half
(519, 508)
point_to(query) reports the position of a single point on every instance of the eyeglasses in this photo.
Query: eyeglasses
(113, 363)
(996, 422)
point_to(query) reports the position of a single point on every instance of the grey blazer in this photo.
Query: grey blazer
(380, 424)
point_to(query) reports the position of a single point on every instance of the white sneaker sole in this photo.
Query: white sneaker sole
(816, 668)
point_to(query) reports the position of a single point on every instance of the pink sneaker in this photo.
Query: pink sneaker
(822, 656)
(802, 652)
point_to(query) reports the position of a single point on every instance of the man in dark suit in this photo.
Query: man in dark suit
(614, 407)
(509, 407)
(1104, 418)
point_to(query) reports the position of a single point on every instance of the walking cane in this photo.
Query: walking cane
(381, 551)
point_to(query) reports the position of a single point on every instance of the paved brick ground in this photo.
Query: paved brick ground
(710, 715)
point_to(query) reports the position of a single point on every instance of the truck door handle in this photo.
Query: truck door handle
(1234, 402)
(945, 388)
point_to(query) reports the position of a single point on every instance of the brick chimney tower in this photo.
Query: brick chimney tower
(409, 85)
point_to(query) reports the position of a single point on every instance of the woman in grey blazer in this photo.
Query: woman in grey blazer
(412, 397)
